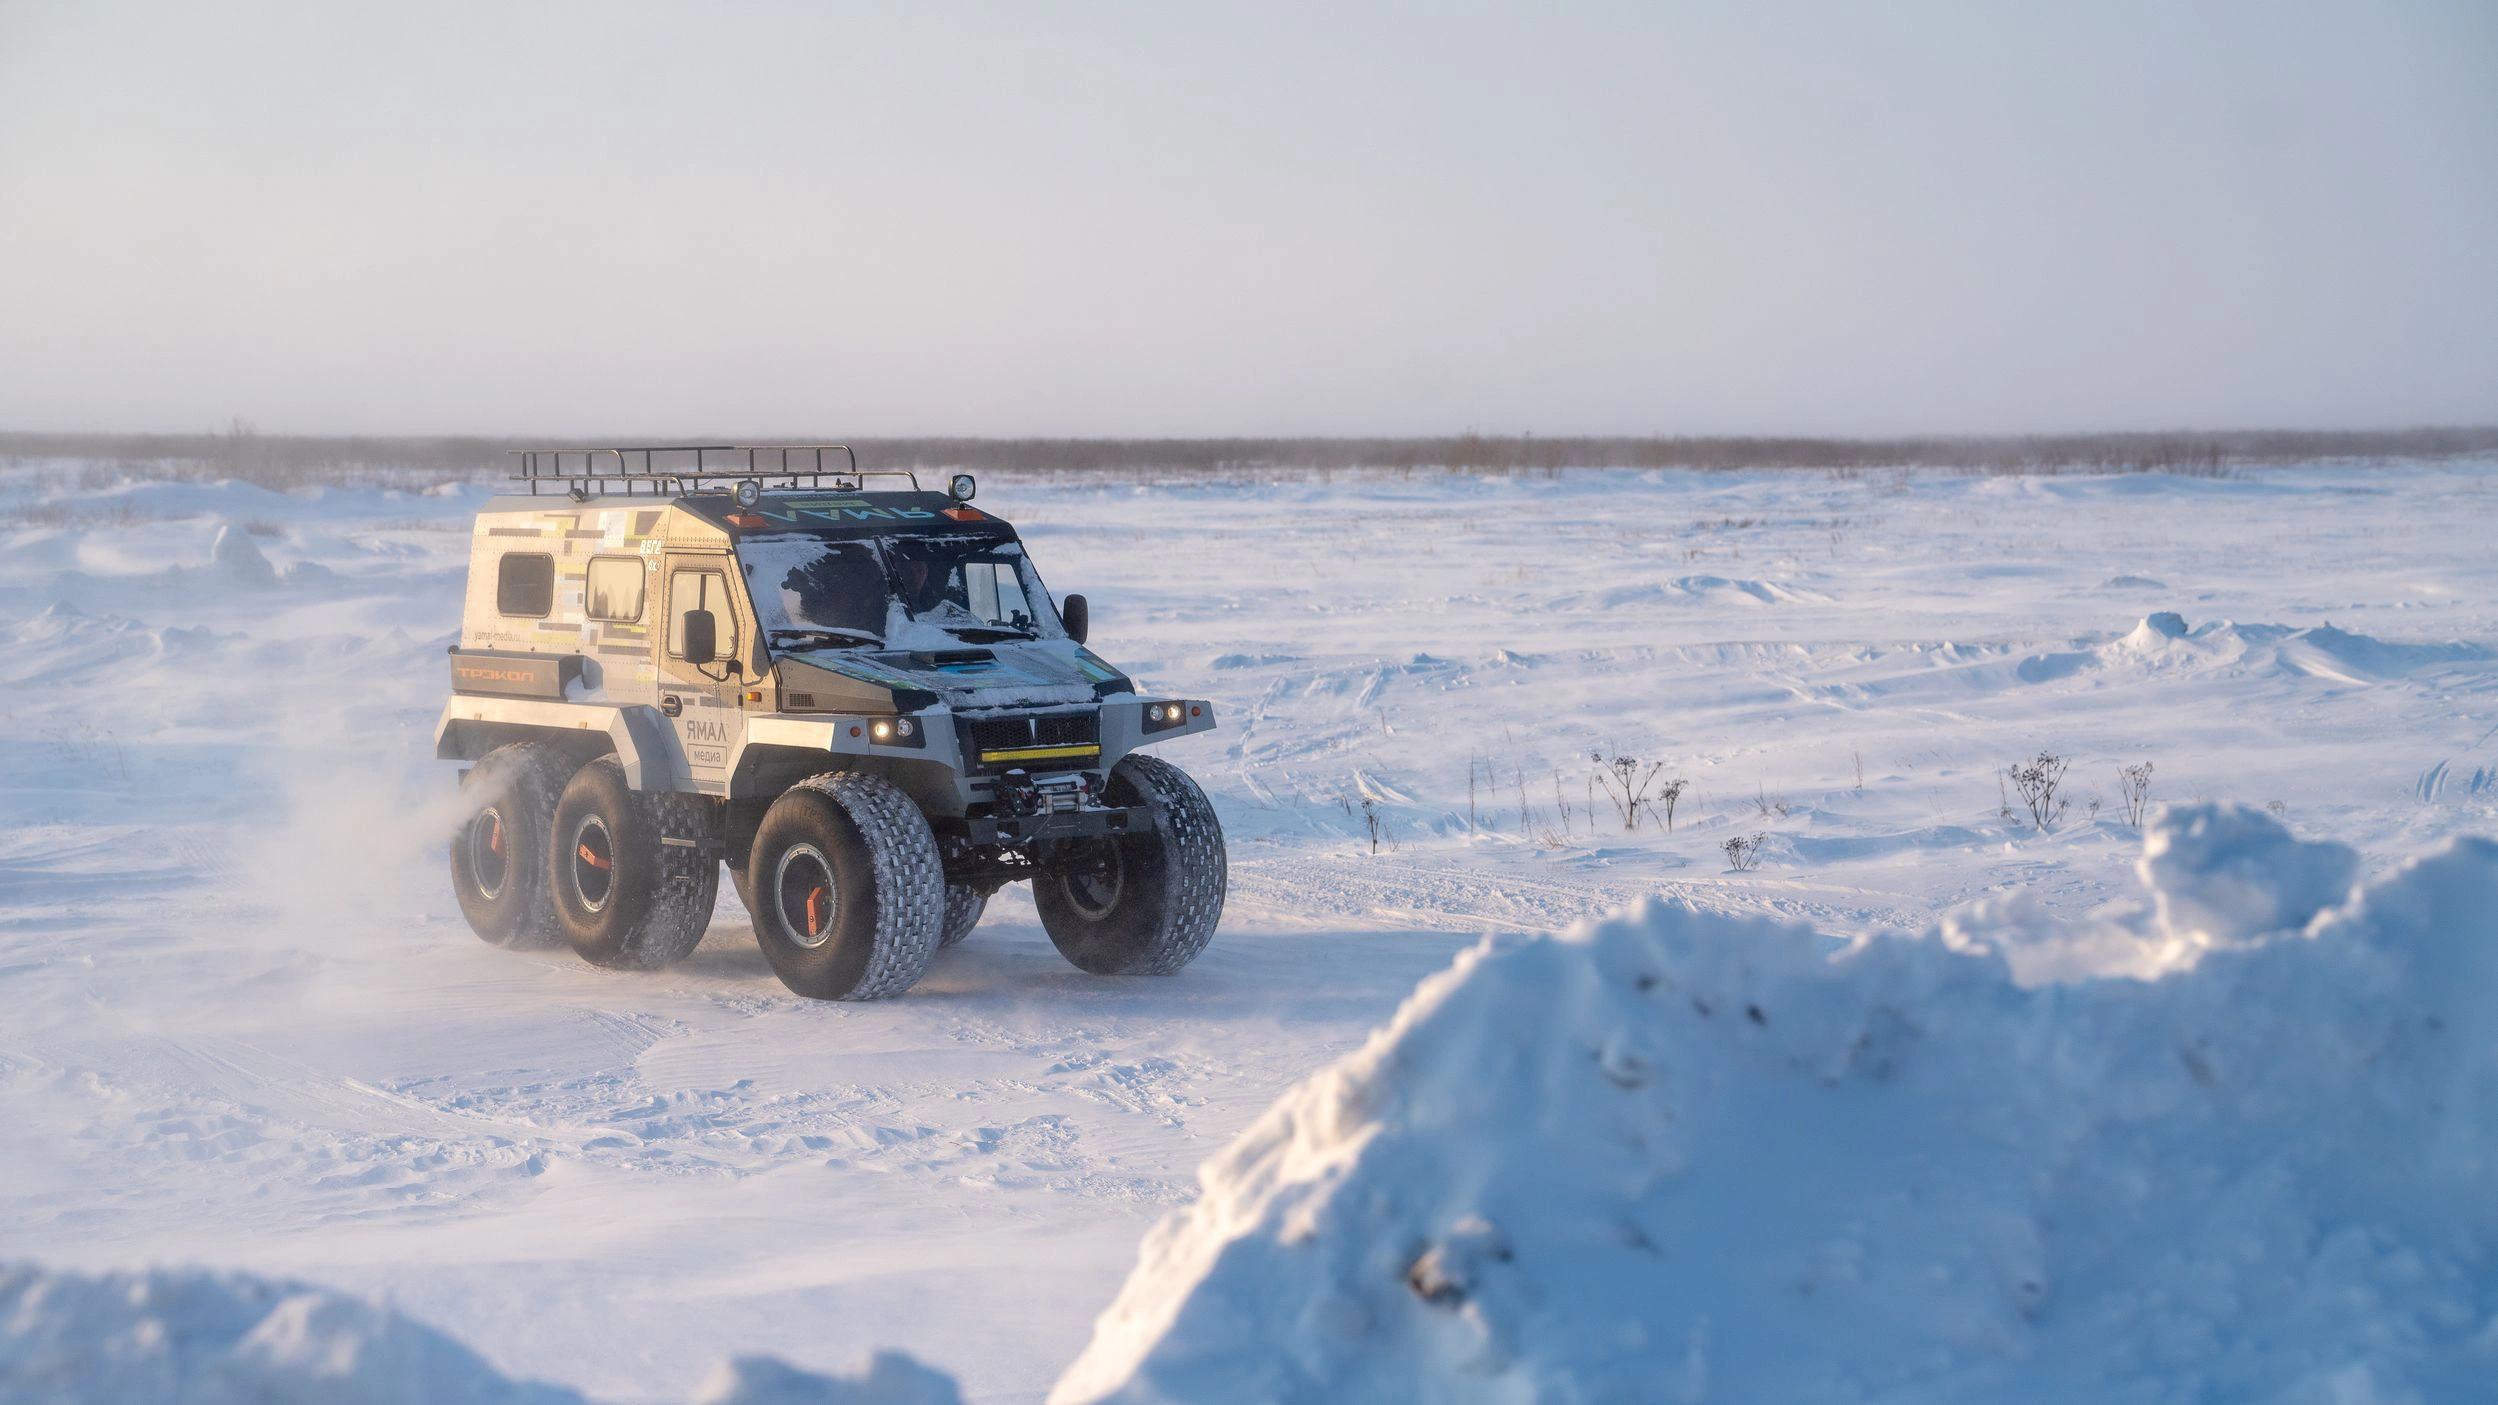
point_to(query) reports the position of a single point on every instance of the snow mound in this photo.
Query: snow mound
(2157, 629)
(198, 1338)
(892, 1379)
(2215, 876)
(233, 560)
(2322, 651)
(1679, 1155)
(212, 1338)
(1719, 588)
(2358, 658)
(1687, 590)
(2221, 874)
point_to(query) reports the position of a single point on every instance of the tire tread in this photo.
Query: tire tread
(963, 906)
(535, 773)
(1201, 868)
(1151, 939)
(910, 878)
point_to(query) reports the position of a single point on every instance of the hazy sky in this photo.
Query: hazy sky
(758, 219)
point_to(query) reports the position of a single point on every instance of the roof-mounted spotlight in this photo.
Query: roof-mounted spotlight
(749, 493)
(961, 488)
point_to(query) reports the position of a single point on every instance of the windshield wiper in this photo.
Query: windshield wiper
(1003, 631)
(831, 634)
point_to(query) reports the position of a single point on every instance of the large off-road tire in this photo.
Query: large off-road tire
(1144, 903)
(963, 906)
(498, 854)
(849, 894)
(625, 896)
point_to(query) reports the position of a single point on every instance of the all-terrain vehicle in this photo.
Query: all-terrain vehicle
(863, 702)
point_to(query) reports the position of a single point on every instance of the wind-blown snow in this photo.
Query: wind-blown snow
(192, 1338)
(1679, 1155)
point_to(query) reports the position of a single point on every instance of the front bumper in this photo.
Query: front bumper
(1059, 824)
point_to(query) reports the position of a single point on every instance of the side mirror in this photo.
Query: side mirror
(1076, 616)
(702, 637)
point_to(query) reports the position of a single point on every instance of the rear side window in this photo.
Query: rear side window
(525, 584)
(615, 589)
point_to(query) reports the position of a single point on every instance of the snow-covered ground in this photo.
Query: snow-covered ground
(1682, 1156)
(201, 1338)
(242, 1026)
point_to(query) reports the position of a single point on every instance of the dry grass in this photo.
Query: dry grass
(290, 461)
(73, 514)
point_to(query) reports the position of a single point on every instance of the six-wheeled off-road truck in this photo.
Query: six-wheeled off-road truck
(863, 702)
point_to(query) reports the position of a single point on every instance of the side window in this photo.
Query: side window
(689, 591)
(615, 589)
(995, 592)
(524, 584)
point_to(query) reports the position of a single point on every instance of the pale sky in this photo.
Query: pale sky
(761, 219)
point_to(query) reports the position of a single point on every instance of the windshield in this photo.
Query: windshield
(955, 583)
(841, 586)
(814, 593)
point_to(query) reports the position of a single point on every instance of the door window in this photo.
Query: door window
(996, 593)
(689, 591)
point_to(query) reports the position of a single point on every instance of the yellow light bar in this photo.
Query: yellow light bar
(1039, 753)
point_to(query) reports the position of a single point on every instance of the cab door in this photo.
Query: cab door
(705, 702)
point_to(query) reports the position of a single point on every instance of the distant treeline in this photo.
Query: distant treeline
(287, 460)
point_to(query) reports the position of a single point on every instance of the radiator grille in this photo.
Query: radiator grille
(1028, 731)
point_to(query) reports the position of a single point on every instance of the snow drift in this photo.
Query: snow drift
(2164, 639)
(232, 1339)
(1685, 1156)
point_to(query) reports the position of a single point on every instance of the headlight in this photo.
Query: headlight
(893, 731)
(1162, 716)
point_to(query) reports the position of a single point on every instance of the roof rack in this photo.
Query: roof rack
(627, 468)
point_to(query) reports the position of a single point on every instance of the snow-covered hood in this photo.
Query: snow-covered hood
(1017, 673)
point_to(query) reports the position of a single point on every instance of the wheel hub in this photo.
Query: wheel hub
(808, 903)
(1095, 882)
(593, 866)
(489, 853)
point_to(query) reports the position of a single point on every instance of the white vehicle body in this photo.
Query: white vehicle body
(573, 626)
